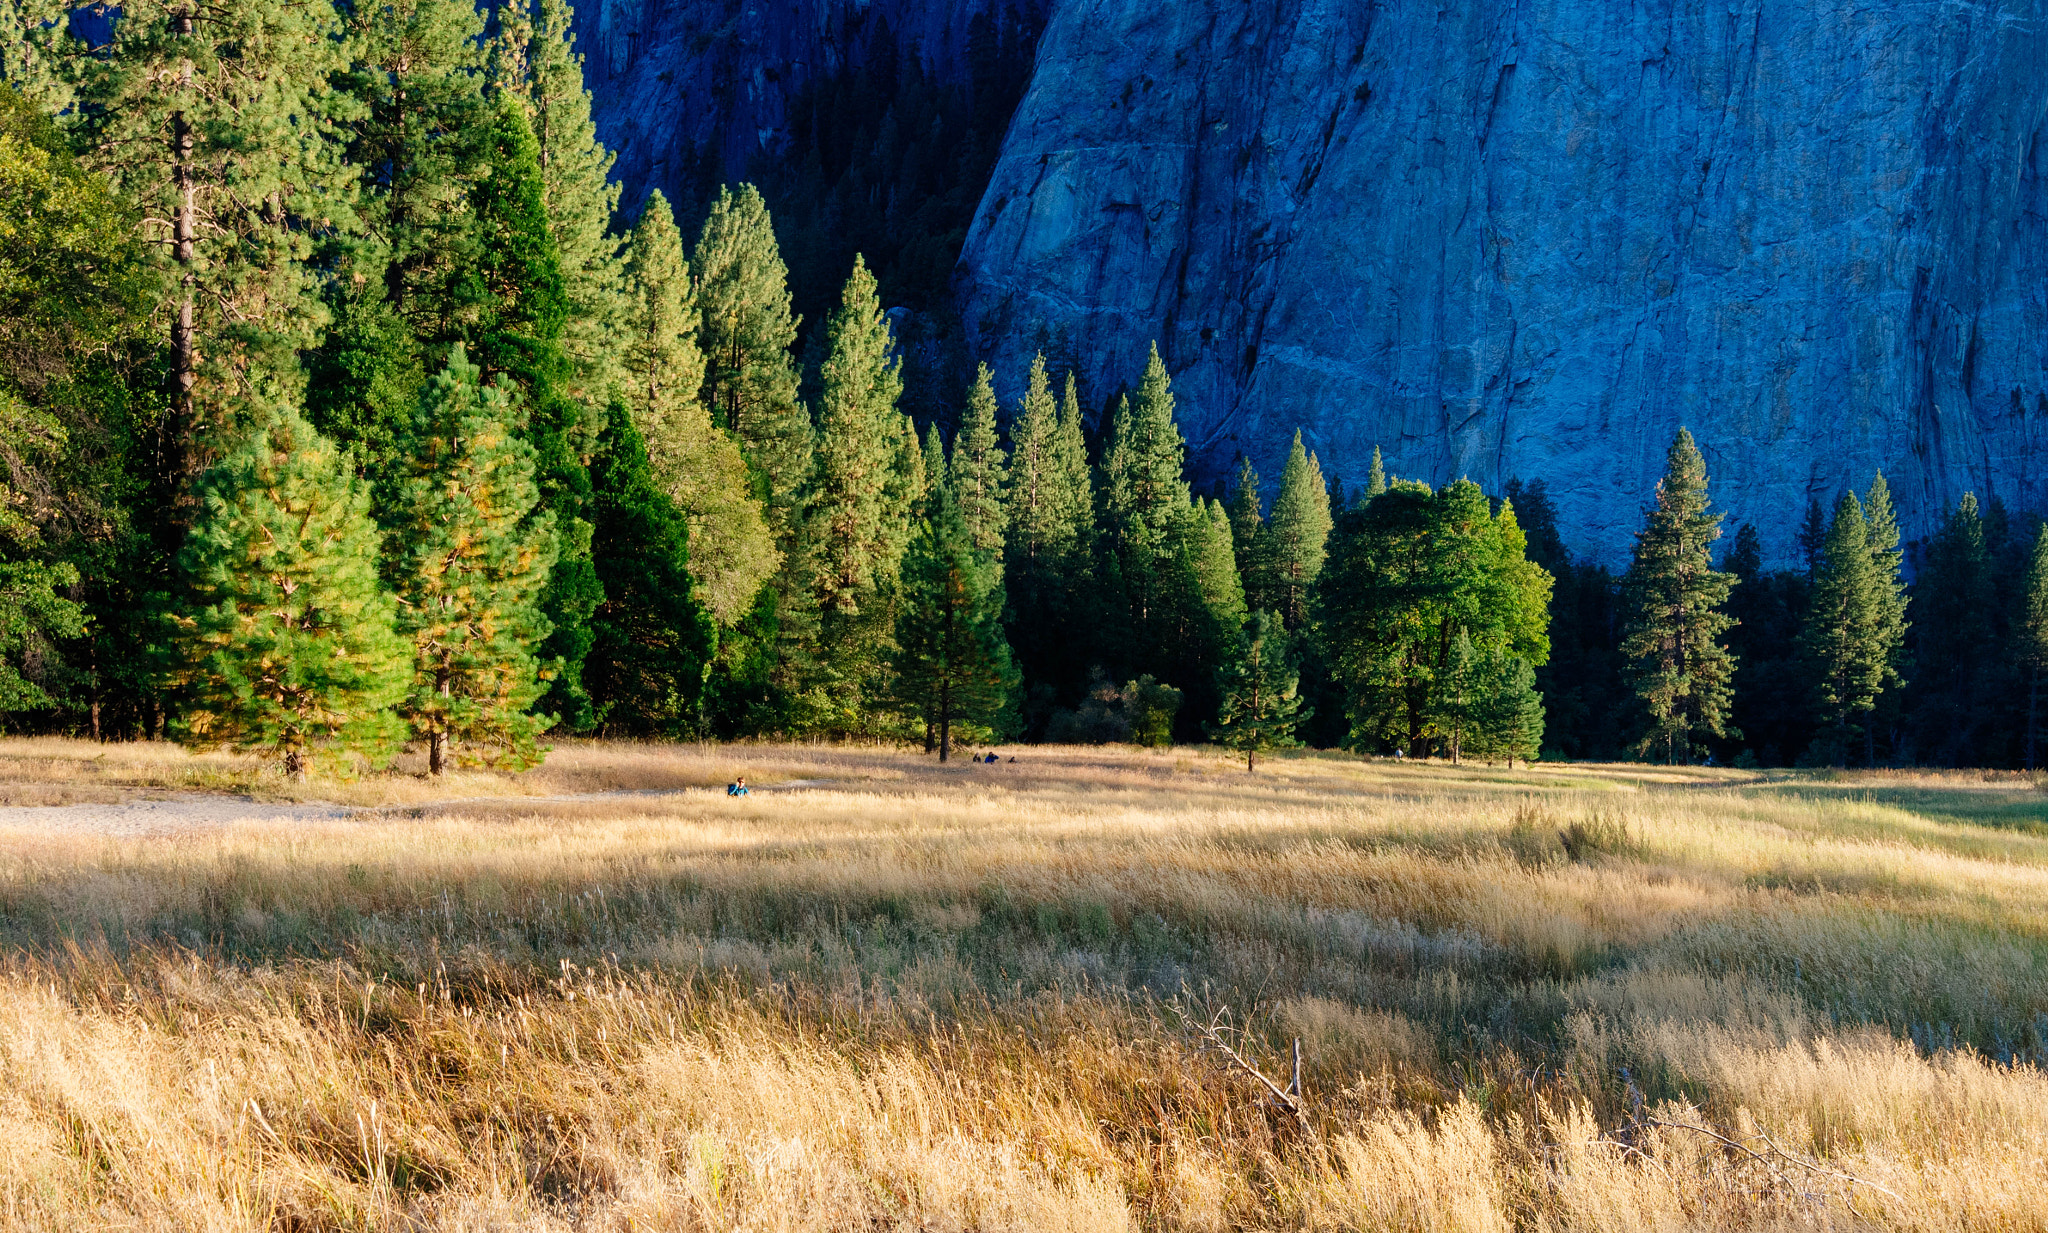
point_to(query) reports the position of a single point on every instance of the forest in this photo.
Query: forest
(346, 407)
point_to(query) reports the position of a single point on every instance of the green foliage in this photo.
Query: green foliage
(1406, 572)
(1152, 707)
(699, 467)
(1261, 708)
(1297, 537)
(652, 642)
(858, 429)
(1509, 721)
(977, 473)
(952, 665)
(1675, 595)
(1050, 512)
(1959, 660)
(750, 382)
(287, 642)
(1841, 639)
(2031, 638)
(470, 550)
(1247, 532)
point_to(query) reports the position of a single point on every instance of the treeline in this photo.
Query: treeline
(339, 413)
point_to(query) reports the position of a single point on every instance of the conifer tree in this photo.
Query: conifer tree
(651, 642)
(470, 549)
(1297, 535)
(1841, 639)
(1681, 670)
(1958, 656)
(1888, 624)
(1247, 530)
(216, 121)
(1375, 479)
(511, 294)
(858, 429)
(1028, 499)
(546, 75)
(932, 464)
(1144, 498)
(1261, 706)
(287, 641)
(746, 331)
(1460, 698)
(698, 467)
(977, 472)
(952, 666)
(2032, 634)
(1050, 549)
(1813, 535)
(1509, 723)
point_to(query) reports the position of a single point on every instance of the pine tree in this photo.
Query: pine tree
(1813, 535)
(511, 294)
(470, 550)
(2032, 634)
(217, 122)
(1509, 722)
(857, 429)
(1247, 533)
(576, 189)
(1144, 497)
(1298, 535)
(1459, 698)
(1408, 570)
(698, 467)
(1958, 655)
(287, 642)
(651, 642)
(976, 474)
(1888, 624)
(1050, 549)
(1375, 479)
(1680, 668)
(750, 381)
(1261, 706)
(932, 465)
(952, 666)
(1840, 638)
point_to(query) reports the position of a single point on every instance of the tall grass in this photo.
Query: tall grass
(917, 997)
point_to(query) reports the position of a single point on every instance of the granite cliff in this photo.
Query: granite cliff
(1497, 239)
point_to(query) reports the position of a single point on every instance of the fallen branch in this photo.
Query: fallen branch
(1213, 1035)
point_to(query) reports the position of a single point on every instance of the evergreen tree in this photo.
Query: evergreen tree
(1247, 534)
(576, 189)
(1957, 666)
(2033, 640)
(1888, 623)
(976, 474)
(470, 550)
(750, 381)
(1261, 707)
(512, 298)
(1458, 699)
(932, 465)
(1144, 498)
(698, 467)
(1375, 479)
(1298, 535)
(1509, 719)
(858, 429)
(1681, 670)
(217, 122)
(1773, 685)
(1840, 638)
(287, 642)
(1813, 535)
(1050, 543)
(1406, 572)
(651, 643)
(952, 666)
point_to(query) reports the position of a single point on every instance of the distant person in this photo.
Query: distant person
(737, 787)
(1400, 754)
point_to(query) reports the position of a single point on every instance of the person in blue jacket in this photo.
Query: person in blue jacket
(737, 788)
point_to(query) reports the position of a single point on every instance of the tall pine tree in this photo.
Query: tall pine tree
(1675, 621)
(1958, 665)
(2032, 636)
(286, 644)
(952, 665)
(1144, 498)
(858, 429)
(470, 549)
(699, 467)
(1261, 707)
(1297, 536)
(977, 470)
(1841, 640)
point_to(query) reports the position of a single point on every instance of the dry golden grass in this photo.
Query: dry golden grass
(899, 996)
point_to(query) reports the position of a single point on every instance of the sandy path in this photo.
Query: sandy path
(187, 812)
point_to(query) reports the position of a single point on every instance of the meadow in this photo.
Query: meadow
(883, 994)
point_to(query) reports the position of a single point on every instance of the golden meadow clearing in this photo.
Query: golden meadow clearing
(899, 996)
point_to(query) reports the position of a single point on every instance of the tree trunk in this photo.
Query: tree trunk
(184, 353)
(2033, 708)
(295, 763)
(1251, 761)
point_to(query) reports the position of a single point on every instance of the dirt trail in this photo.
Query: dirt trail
(188, 812)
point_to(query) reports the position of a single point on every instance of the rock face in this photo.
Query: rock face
(683, 88)
(1530, 238)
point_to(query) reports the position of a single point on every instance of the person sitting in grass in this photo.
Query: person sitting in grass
(737, 787)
